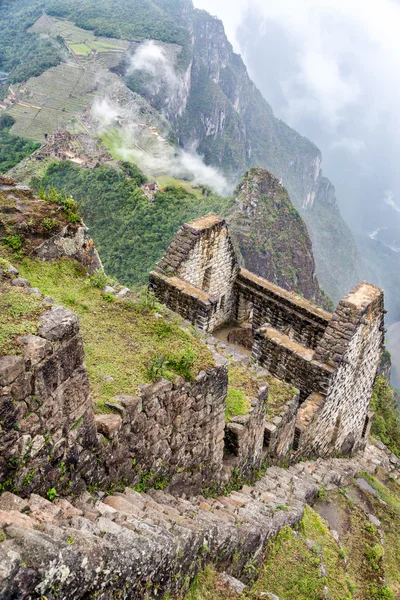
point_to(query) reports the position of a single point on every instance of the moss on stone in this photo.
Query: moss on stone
(237, 403)
(243, 386)
(279, 394)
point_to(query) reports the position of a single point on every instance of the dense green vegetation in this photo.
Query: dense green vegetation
(130, 233)
(136, 20)
(12, 148)
(386, 423)
(24, 55)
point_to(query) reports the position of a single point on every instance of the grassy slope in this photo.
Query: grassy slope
(120, 338)
(124, 340)
(309, 563)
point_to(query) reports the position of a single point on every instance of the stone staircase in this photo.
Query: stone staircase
(140, 545)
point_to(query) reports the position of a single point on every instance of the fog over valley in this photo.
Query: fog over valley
(331, 70)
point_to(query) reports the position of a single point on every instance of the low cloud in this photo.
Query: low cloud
(105, 113)
(389, 200)
(147, 147)
(152, 59)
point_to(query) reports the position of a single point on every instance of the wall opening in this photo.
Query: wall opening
(207, 279)
(296, 439)
(267, 438)
(231, 442)
(365, 428)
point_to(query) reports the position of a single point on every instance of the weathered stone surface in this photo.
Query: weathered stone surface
(58, 324)
(232, 584)
(10, 501)
(73, 242)
(11, 367)
(19, 282)
(138, 537)
(108, 425)
(35, 348)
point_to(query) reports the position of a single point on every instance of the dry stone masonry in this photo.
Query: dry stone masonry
(331, 358)
(143, 545)
(172, 438)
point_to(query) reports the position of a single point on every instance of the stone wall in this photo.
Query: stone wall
(290, 361)
(136, 546)
(192, 304)
(170, 434)
(279, 431)
(202, 255)
(282, 310)
(46, 414)
(244, 437)
(354, 342)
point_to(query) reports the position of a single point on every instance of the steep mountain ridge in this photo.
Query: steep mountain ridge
(214, 108)
(228, 121)
(271, 236)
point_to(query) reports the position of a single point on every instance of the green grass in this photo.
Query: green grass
(81, 49)
(19, 315)
(119, 339)
(279, 394)
(207, 586)
(243, 386)
(390, 524)
(383, 492)
(365, 566)
(292, 569)
(236, 404)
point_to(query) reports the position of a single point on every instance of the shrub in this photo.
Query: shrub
(13, 241)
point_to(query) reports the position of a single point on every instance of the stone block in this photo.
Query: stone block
(108, 425)
(9, 501)
(20, 282)
(35, 348)
(58, 324)
(11, 367)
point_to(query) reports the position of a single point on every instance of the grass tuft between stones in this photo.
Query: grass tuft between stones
(19, 315)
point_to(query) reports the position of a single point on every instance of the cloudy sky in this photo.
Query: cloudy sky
(331, 69)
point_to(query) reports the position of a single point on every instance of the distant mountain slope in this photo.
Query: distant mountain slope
(271, 237)
(211, 104)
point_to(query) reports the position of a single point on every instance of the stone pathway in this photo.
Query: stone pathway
(137, 544)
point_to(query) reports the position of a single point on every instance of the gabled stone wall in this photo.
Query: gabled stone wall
(200, 262)
(332, 357)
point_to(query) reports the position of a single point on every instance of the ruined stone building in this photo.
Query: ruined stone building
(332, 359)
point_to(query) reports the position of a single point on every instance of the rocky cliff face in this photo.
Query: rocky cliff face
(271, 237)
(218, 110)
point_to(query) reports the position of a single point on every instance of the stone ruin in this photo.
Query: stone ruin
(332, 359)
(88, 543)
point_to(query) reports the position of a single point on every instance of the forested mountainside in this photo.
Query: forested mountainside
(203, 89)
